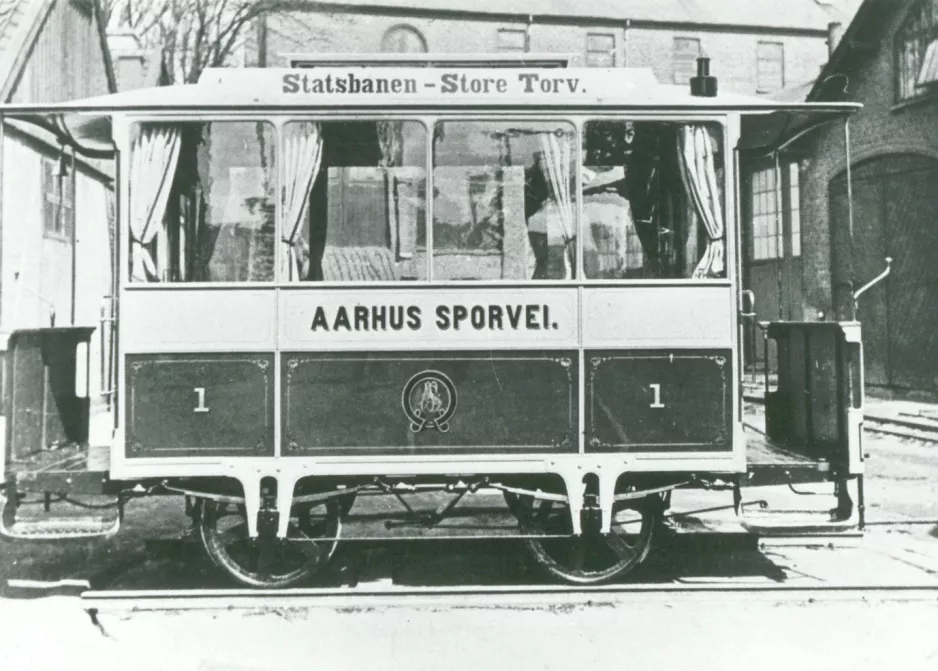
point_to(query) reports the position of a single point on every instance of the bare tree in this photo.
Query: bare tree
(191, 34)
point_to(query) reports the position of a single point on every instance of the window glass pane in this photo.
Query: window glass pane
(911, 44)
(600, 42)
(770, 65)
(600, 50)
(202, 202)
(504, 205)
(595, 59)
(360, 214)
(510, 40)
(647, 185)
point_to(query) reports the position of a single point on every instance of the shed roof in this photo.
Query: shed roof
(800, 15)
(20, 24)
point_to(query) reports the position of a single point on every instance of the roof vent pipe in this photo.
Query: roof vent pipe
(703, 84)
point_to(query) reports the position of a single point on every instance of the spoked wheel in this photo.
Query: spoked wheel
(592, 557)
(271, 563)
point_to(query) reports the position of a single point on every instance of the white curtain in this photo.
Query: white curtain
(152, 169)
(558, 159)
(302, 151)
(698, 170)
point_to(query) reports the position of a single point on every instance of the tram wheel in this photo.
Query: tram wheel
(592, 557)
(271, 563)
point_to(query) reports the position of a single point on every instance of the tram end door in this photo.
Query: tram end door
(813, 410)
(52, 439)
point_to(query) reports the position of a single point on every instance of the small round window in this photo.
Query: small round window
(403, 40)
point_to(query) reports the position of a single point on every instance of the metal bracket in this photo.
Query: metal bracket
(425, 518)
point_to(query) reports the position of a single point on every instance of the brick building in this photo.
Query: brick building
(756, 46)
(888, 61)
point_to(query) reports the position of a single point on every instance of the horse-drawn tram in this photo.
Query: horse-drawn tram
(340, 287)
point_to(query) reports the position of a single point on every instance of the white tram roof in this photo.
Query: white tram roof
(270, 91)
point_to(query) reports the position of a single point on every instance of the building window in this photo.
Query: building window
(58, 201)
(600, 50)
(914, 39)
(512, 40)
(403, 40)
(686, 51)
(794, 207)
(770, 66)
(768, 229)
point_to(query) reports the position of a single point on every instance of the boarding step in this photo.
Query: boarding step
(797, 523)
(57, 527)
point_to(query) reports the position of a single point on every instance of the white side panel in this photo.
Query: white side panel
(198, 320)
(24, 306)
(696, 317)
(490, 318)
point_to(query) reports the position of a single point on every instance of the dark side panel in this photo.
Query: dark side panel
(45, 414)
(659, 401)
(200, 404)
(429, 403)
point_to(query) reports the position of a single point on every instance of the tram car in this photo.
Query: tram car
(348, 282)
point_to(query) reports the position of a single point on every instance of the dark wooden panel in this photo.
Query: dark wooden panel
(356, 403)
(912, 288)
(45, 411)
(166, 419)
(894, 214)
(647, 401)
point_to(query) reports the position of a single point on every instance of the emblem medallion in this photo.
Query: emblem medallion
(429, 401)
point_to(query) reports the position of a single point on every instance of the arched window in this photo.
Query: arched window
(915, 35)
(403, 40)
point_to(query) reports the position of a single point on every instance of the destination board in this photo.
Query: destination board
(495, 83)
(385, 319)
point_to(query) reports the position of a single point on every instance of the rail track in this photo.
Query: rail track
(383, 596)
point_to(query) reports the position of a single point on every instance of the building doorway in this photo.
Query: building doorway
(895, 213)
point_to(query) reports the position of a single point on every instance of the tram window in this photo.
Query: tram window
(354, 201)
(202, 202)
(653, 200)
(504, 205)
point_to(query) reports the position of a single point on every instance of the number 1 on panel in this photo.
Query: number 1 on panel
(201, 406)
(657, 402)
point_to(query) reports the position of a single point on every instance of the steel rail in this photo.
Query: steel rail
(383, 594)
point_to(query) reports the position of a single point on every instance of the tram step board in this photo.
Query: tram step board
(55, 528)
(799, 524)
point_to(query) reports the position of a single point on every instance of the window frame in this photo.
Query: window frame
(60, 198)
(521, 119)
(124, 125)
(275, 121)
(730, 207)
(612, 52)
(404, 28)
(925, 14)
(787, 237)
(678, 58)
(525, 41)
(761, 85)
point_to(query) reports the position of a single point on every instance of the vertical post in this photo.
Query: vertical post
(779, 238)
(73, 184)
(852, 307)
(2, 144)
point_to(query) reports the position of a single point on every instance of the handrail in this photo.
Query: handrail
(876, 280)
(873, 282)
